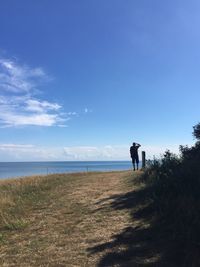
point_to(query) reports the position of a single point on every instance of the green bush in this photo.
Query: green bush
(174, 183)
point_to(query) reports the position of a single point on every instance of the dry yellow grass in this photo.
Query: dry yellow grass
(53, 220)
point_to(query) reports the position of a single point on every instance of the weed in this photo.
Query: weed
(2, 238)
(16, 225)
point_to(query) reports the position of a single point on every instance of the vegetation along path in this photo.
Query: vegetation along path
(70, 220)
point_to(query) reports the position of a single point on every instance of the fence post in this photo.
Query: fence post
(143, 159)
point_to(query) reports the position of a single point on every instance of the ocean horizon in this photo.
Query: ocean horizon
(22, 169)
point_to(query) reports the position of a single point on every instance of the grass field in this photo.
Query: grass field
(62, 220)
(85, 219)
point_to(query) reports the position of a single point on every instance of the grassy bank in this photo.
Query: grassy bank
(56, 220)
(96, 219)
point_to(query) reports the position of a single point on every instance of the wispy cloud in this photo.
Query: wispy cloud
(15, 146)
(107, 152)
(19, 105)
(21, 152)
(115, 152)
(18, 78)
(40, 106)
(87, 110)
(29, 152)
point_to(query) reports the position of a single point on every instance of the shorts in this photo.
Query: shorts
(135, 160)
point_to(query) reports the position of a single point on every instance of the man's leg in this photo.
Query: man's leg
(133, 161)
(137, 162)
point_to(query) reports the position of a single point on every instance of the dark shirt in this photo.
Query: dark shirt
(134, 151)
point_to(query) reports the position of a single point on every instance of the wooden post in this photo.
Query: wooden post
(143, 159)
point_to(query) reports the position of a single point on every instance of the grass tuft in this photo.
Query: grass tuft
(18, 224)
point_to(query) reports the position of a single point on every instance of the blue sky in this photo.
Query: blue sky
(82, 80)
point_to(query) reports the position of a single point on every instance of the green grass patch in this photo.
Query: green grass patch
(19, 224)
(2, 238)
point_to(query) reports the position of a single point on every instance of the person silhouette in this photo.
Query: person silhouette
(134, 154)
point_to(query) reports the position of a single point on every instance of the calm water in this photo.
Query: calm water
(18, 169)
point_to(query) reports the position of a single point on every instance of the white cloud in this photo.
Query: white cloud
(29, 152)
(159, 150)
(87, 110)
(18, 78)
(72, 113)
(19, 105)
(33, 119)
(23, 152)
(117, 152)
(14, 146)
(96, 153)
(40, 106)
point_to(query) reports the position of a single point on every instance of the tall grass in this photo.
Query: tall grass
(16, 195)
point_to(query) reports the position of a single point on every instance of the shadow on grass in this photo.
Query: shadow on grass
(146, 242)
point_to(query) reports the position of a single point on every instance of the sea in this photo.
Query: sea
(21, 169)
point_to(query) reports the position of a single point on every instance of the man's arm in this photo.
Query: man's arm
(138, 145)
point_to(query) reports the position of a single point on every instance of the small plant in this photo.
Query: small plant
(16, 225)
(13, 224)
(2, 239)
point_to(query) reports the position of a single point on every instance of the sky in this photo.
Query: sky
(82, 80)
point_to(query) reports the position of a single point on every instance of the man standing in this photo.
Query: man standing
(134, 154)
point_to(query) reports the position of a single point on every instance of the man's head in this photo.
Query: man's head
(133, 144)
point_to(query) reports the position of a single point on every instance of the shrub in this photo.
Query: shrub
(175, 191)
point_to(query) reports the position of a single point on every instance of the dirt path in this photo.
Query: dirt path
(74, 218)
